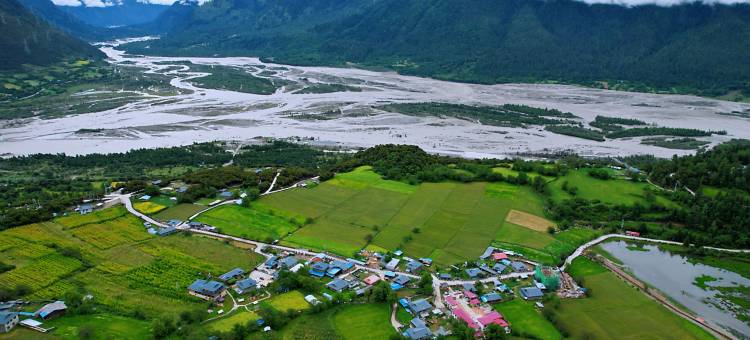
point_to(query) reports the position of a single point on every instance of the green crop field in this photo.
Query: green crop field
(120, 264)
(259, 223)
(100, 326)
(616, 310)
(179, 212)
(238, 317)
(449, 222)
(73, 221)
(525, 320)
(348, 322)
(612, 191)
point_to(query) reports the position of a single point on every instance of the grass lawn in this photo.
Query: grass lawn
(180, 212)
(240, 316)
(524, 319)
(100, 326)
(291, 300)
(261, 222)
(364, 321)
(20, 333)
(613, 191)
(615, 308)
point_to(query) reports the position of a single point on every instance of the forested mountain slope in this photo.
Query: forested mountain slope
(692, 46)
(117, 13)
(27, 39)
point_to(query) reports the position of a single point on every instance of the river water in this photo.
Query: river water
(209, 114)
(675, 275)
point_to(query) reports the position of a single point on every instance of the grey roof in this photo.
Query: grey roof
(5, 317)
(491, 297)
(206, 287)
(320, 266)
(402, 279)
(417, 322)
(413, 266)
(51, 308)
(531, 292)
(420, 306)
(343, 265)
(226, 194)
(246, 284)
(418, 333)
(518, 266)
(338, 285)
(289, 261)
(470, 287)
(445, 276)
(487, 253)
(473, 272)
(499, 267)
(231, 274)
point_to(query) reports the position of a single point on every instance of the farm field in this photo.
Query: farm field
(121, 265)
(614, 307)
(449, 222)
(179, 212)
(524, 319)
(348, 322)
(238, 317)
(100, 327)
(259, 223)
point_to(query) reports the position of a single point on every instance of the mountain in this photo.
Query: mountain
(690, 45)
(47, 10)
(119, 13)
(27, 39)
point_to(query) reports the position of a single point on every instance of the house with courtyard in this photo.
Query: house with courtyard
(245, 286)
(207, 290)
(413, 266)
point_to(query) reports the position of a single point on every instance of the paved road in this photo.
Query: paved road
(273, 183)
(125, 200)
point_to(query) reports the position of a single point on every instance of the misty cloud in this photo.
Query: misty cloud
(661, 2)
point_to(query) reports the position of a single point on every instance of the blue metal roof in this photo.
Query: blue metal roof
(206, 287)
(338, 285)
(231, 274)
(246, 284)
(396, 286)
(401, 279)
(420, 306)
(531, 292)
(320, 266)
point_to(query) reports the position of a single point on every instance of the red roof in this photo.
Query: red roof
(489, 318)
(474, 302)
(463, 315)
(499, 256)
(316, 259)
(370, 280)
(451, 301)
(470, 295)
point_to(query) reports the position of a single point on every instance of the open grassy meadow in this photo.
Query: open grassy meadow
(291, 300)
(259, 223)
(612, 191)
(100, 326)
(347, 322)
(123, 267)
(616, 310)
(526, 320)
(238, 317)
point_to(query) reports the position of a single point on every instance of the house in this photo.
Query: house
(392, 264)
(183, 189)
(518, 266)
(311, 299)
(156, 182)
(207, 290)
(362, 290)
(174, 223)
(145, 197)
(470, 295)
(473, 272)
(501, 287)
(288, 262)
(51, 310)
(417, 322)
(338, 285)
(445, 276)
(491, 297)
(318, 269)
(531, 293)
(355, 261)
(166, 231)
(226, 194)
(232, 274)
(633, 233)
(8, 320)
(343, 265)
(372, 279)
(333, 271)
(86, 208)
(396, 286)
(389, 274)
(470, 287)
(195, 225)
(420, 333)
(401, 280)
(246, 285)
(398, 253)
(492, 318)
(413, 266)
(426, 260)
(419, 306)
(296, 267)
(487, 253)
(272, 262)
(151, 231)
(499, 267)
(147, 224)
(499, 256)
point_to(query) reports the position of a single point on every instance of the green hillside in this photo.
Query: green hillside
(27, 39)
(685, 48)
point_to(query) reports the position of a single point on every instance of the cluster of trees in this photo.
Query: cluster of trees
(576, 131)
(507, 115)
(662, 131)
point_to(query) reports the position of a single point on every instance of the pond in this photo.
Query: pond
(701, 288)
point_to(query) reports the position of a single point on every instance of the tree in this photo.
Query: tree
(425, 284)
(494, 332)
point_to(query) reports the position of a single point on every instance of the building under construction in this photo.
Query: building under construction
(547, 276)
